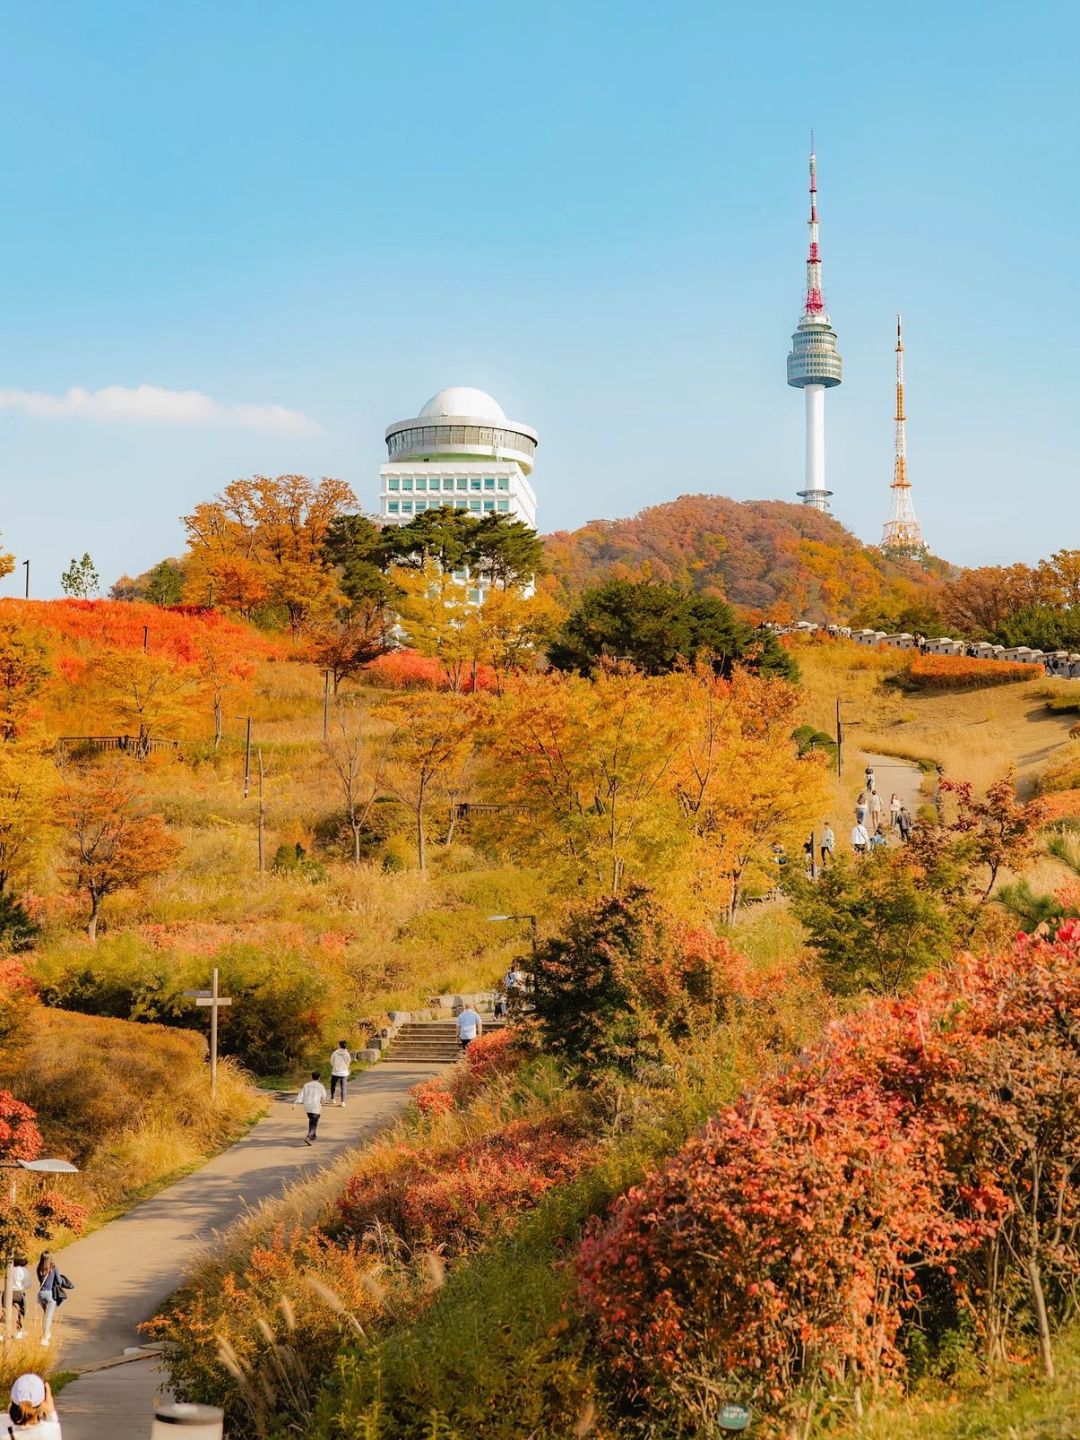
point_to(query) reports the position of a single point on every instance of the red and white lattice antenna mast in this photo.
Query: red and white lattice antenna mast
(815, 296)
(900, 463)
(902, 534)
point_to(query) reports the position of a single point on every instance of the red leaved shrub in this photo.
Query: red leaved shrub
(457, 1198)
(409, 670)
(498, 1053)
(925, 1155)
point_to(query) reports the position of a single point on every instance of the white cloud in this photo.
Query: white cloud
(151, 404)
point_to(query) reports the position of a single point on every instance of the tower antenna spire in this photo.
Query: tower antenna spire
(814, 363)
(902, 535)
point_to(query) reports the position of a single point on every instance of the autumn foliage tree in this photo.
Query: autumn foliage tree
(624, 978)
(260, 545)
(31, 1212)
(113, 842)
(431, 737)
(584, 767)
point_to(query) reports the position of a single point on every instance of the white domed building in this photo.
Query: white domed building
(460, 451)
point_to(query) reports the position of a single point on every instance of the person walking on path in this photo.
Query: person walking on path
(20, 1278)
(861, 809)
(52, 1292)
(876, 808)
(828, 844)
(894, 811)
(903, 823)
(313, 1098)
(469, 1026)
(32, 1411)
(860, 840)
(877, 840)
(869, 773)
(340, 1064)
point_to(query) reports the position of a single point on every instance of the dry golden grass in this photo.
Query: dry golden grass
(975, 736)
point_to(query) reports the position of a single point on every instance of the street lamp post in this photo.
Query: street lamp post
(37, 1167)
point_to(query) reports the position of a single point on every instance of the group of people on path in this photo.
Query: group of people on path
(869, 831)
(313, 1096)
(52, 1288)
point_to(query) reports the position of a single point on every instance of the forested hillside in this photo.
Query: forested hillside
(781, 561)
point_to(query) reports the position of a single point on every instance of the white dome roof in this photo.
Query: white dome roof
(463, 400)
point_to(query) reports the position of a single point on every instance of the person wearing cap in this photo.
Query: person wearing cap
(32, 1411)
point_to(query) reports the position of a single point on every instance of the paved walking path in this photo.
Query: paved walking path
(124, 1271)
(892, 775)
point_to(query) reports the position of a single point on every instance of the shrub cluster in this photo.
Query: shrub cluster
(916, 1172)
(963, 672)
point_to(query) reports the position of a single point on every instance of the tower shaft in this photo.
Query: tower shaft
(814, 364)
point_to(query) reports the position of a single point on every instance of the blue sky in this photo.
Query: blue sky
(593, 210)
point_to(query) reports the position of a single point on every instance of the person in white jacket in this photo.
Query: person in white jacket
(313, 1098)
(340, 1063)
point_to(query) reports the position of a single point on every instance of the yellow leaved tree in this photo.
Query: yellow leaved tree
(260, 544)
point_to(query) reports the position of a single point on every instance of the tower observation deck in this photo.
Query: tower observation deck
(814, 363)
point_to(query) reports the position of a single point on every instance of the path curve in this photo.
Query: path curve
(893, 775)
(126, 1270)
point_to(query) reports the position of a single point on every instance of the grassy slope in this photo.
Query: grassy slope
(975, 735)
(1020, 1406)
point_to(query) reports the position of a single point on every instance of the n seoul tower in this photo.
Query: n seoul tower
(814, 363)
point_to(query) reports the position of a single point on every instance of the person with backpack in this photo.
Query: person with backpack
(53, 1286)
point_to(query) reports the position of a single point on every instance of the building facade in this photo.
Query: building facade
(462, 452)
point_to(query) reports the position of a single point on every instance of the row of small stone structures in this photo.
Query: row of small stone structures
(1065, 664)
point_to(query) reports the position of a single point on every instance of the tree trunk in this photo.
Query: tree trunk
(451, 825)
(356, 843)
(1035, 1281)
(421, 854)
(217, 721)
(91, 924)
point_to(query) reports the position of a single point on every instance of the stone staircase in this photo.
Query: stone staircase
(431, 1042)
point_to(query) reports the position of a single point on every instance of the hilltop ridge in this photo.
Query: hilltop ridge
(781, 561)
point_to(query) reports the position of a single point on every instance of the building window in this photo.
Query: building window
(392, 483)
(462, 482)
(448, 483)
(406, 507)
(420, 505)
(421, 483)
(475, 597)
(504, 505)
(391, 507)
(474, 504)
(489, 482)
(406, 484)
(504, 482)
(489, 506)
(474, 483)
(462, 504)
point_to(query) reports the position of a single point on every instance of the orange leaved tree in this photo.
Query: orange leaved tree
(114, 842)
(260, 544)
